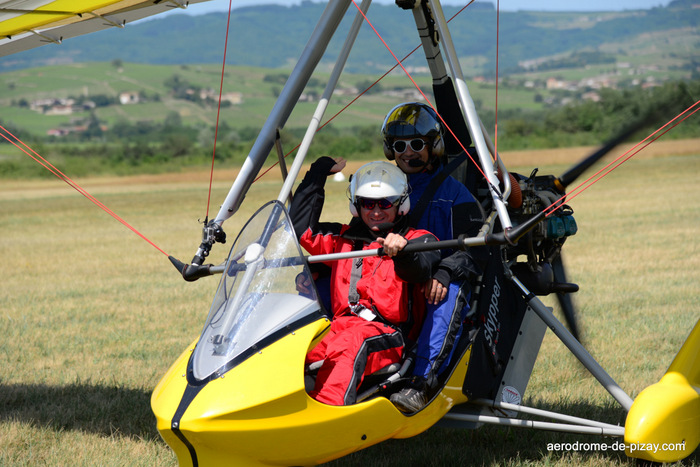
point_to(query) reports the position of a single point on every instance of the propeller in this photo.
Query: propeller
(567, 178)
(587, 162)
(654, 113)
(565, 301)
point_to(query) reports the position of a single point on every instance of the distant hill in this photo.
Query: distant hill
(274, 36)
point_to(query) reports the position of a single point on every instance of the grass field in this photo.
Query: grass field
(93, 315)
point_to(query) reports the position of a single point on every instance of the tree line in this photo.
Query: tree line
(173, 144)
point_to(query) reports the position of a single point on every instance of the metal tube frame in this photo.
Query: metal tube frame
(544, 413)
(323, 102)
(315, 47)
(473, 121)
(575, 346)
(538, 425)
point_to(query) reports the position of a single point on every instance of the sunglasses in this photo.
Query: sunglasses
(368, 203)
(401, 145)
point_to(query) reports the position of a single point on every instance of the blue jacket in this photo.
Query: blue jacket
(452, 211)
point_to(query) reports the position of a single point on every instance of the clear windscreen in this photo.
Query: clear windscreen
(257, 296)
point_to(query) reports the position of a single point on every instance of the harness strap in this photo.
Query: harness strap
(355, 275)
(427, 196)
(354, 296)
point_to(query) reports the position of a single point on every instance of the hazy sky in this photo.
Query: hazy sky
(506, 5)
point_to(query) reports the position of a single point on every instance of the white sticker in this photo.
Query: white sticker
(510, 395)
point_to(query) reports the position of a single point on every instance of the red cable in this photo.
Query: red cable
(419, 89)
(498, 35)
(549, 210)
(341, 110)
(617, 162)
(218, 111)
(363, 92)
(70, 182)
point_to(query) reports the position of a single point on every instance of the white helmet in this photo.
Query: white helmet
(378, 180)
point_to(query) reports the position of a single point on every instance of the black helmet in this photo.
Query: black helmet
(412, 120)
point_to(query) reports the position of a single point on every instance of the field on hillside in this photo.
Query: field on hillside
(93, 315)
(259, 88)
(27, 96)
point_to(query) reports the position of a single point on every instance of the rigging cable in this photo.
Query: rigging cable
(340, 111)
(420, 91)
(498, 37)
(19, 144)
(617, 162)
(218, 113)
(14, 140)
(362, 93)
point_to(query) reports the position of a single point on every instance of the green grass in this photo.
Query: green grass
(93, 315)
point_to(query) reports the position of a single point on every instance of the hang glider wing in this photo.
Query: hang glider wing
(26, 24)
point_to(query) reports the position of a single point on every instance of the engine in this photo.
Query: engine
(539, 192)
(532, 258)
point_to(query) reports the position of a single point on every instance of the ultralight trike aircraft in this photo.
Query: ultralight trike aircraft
(238, 395)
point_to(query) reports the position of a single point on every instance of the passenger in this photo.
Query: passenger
(413, 138)
(370, 295)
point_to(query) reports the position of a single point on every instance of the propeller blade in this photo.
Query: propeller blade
(567, 305)
(654, 113)
(574, 172)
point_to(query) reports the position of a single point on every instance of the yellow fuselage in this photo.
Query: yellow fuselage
(258, 413)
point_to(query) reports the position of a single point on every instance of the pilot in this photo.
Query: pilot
(414, 138)
(370, 295)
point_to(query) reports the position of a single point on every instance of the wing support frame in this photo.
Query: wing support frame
(574, 425)
(286, 190)
(108, 22)
(264, 143)
(46, 38)
(324, 31)
(315, 47)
